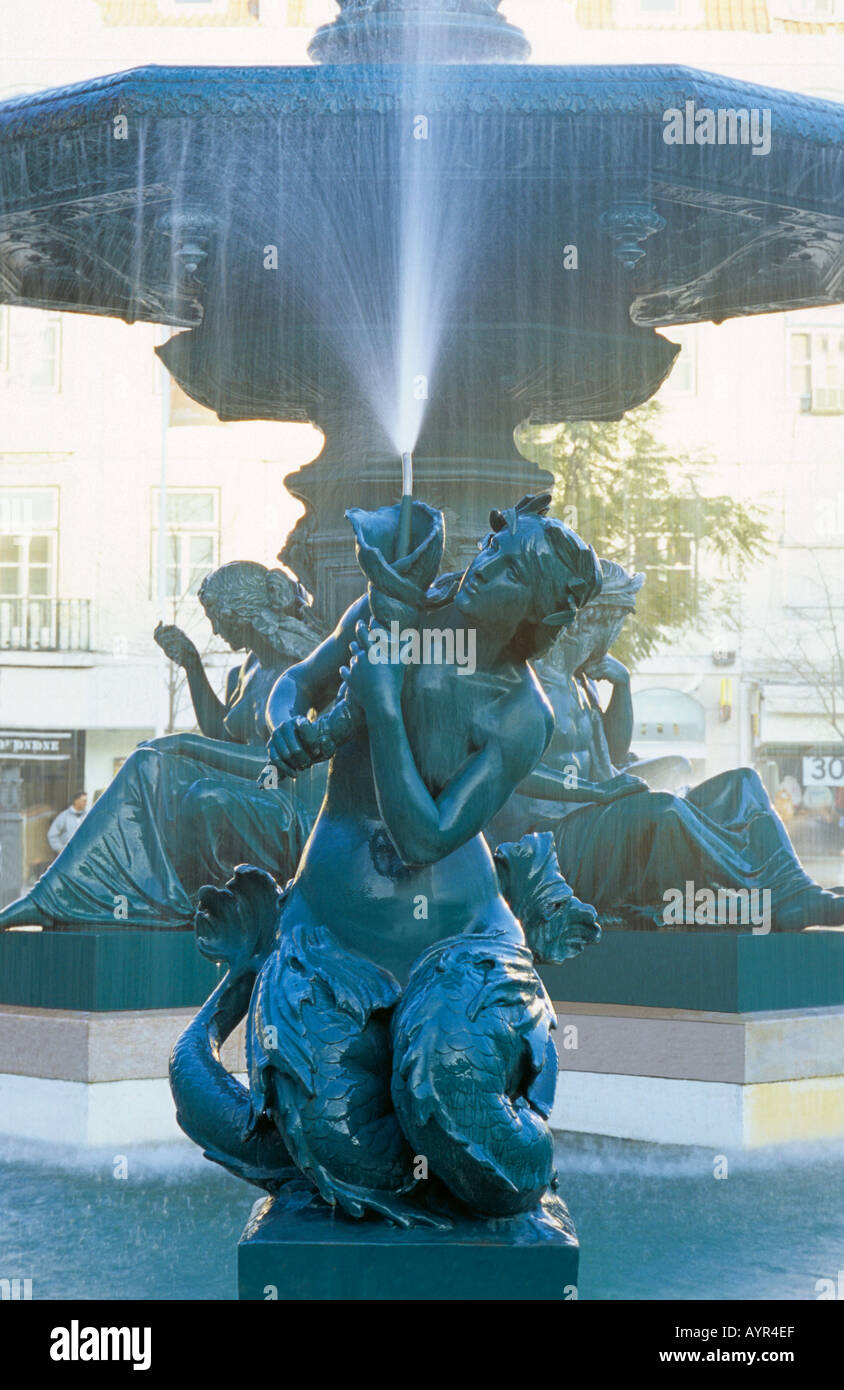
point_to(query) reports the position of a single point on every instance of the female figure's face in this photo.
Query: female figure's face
(609, 628)
(493, 592)
(235, 630)
(577, 642)
(591, 636)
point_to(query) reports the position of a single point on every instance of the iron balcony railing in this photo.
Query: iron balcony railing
(45, 624)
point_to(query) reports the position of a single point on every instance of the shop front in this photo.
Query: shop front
(40, 770)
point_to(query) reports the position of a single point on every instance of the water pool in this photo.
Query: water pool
(654, 1222)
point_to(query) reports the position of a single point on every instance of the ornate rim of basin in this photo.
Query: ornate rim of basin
(597, 90)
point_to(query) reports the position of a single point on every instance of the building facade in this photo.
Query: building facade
(93, 436)
(764, 399)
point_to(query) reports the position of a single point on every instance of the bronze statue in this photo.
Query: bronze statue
(185, 809)
(630, 847)
(393, 1007)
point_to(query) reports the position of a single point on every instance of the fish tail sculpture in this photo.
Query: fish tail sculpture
(235, 925)
(474, 1063)
(319, 1064)
(557, 925)
(474, 1070)
(351, 1082)
(318, 1055)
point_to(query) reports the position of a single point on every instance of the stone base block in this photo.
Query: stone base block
(66, 1045)
(692, 1076)
(102, 1114)
(674, 1076)
(688, 1045)
(92, 1079)
(712, 1114)
(312, 1254)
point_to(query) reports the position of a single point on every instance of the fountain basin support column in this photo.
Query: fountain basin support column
(464, 472)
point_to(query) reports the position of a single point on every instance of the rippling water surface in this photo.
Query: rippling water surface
(653, 1222)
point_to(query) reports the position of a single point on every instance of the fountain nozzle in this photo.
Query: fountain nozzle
(406, 511)
(406, 473)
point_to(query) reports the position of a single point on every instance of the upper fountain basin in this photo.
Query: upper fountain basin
(154, 195)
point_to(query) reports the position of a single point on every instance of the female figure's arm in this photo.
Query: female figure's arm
(549, 784)
(238, 759)
(307, 686)
(209, 711)
(618, 716)
(424, 828)
(565, 782)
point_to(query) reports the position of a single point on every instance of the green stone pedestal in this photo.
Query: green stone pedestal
(727, 972)
(103, 971)
(313, 1254)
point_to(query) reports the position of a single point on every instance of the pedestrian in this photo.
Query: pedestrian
(67, 822)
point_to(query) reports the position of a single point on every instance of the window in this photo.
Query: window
(187, 9)
(181, 408)
(31, 617)
(30, 349)
(297, 13)
(816, 370)
(645, 14)
(683, 378)
(184, 410)
(670, 563)
(160, 374)
(29, 533)
(193, 539)
(809, 11)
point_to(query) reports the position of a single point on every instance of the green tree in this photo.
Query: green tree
(639, 503)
